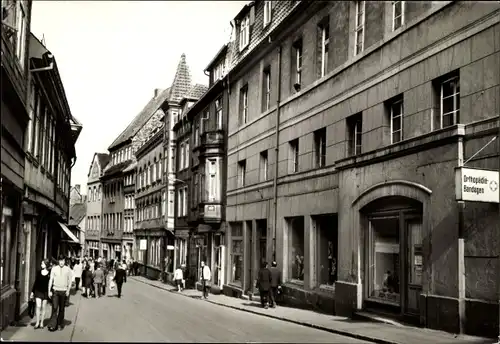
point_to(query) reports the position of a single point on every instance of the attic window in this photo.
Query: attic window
(244, 32)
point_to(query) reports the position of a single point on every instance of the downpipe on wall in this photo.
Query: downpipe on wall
(460, 246)
(276, 150)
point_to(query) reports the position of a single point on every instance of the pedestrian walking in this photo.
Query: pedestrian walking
(77, 273)
(205, 278)
(119, 278)
(275, 283)
(105, 280)
(60, 280)
(264, 284)
(98, 280)
(87, 280)
(178, 278)
(40, 292)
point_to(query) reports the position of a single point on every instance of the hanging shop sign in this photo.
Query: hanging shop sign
(477, 185)
(170, 247)
(143, 244)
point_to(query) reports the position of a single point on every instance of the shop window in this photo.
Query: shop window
(384, 259)
(296, 247)
(328, 247)
(6, 237)
(236, 252)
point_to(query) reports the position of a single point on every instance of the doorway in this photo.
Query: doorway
(394, 262)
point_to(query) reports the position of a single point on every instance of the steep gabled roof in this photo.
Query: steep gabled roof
(142, 118)
(196, 92)
(182, 81)
(104, 159)
(76, 213)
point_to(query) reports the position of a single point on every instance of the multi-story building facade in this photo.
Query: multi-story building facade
(16, 21)
(128, 211)
(149, 230)
(75, 195)
(200, 172)
(77, 225)
(341, 156)
(93, 223)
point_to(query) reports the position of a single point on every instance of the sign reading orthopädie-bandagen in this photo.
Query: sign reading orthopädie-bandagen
(476, 185)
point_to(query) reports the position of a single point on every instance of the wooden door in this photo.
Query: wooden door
(414, 265)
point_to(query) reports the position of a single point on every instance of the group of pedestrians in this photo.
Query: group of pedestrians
(269, 284)
(55, 280)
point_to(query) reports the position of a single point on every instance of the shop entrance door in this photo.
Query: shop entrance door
(414, 265)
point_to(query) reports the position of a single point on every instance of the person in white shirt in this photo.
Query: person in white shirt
(205, 277)
(178, 278)
(77, 273)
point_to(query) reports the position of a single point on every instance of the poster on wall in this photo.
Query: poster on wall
(143, 244)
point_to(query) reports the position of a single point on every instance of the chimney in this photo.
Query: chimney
(77, 187)
(157, 92)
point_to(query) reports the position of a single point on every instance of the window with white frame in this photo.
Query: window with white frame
(244, 104)
(213, 180)
(180, 198)
(267, 12)
(297, 51)
(186, 154)
(163, 203)
(242, 170)
(360, 27)
(185, 201)
(396, 113)
(175, 117)
(294, 155)
(263, 166)
(449, 108)
(320, 147)
(218, 111)
(171, 203)
(267, 89)
(196, 134)
(324, 30)
(182, 157)
(21, 21)
(398, 14)
(355, 128)
(244, 32)
(154, 172)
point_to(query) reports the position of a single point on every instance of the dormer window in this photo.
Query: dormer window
(267, 12)
(244, 32)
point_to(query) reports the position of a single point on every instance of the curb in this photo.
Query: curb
(302, 323)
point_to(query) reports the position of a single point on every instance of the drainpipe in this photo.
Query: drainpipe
(498, 235)
(276, 150)
(461, 225)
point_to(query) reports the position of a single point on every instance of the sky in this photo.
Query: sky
(111, 56)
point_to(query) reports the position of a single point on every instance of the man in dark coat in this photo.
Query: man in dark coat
(120, 278)
(264, 284)
(275, 283)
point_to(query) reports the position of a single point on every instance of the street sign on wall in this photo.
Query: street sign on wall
(477, 185)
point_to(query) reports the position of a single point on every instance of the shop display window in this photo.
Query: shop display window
(296, 247)
(327, 246)
(236, 253)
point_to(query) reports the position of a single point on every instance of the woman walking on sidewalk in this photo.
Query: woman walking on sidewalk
(178, 278)
(120, 278)
(86, 280)
(40, 292)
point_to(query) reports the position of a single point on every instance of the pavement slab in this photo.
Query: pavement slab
(364, 330)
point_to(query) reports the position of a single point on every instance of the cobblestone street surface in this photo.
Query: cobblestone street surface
(152, 311)
(146, 314)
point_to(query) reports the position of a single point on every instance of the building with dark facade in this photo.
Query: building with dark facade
(347, 120)
(94, 200)
(128, 211)
(200, 138)
(16, 19)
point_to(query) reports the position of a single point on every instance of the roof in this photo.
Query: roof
(182, 81)
(142, 118)
(196, 92)
(104, 159)
(117, 168)
(216, 57)
(76, 213)
(131, 167)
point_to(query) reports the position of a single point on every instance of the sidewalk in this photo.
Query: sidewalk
(364, 330)
(25, 332)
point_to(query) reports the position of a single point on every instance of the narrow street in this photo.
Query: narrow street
(148, 314)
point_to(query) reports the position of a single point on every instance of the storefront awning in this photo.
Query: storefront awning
(68, 232)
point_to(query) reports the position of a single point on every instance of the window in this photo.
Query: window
(213, 180)
(182, 157)
(267, 12)
(294, 155)
(267, 89)
(163, 202)
(296, 247)
(171, 167)
(185, 202)
(360, 27)
(396, 118)
(186, 154)
(236, 252)
(21, 33)
(196, 134)
(171, 203)
(196, 190)
(218, 111)
(180, 198)
(327, 247)
(354, 125)
(160, 162)
(244, 32)
(263, 166)
(324, 36)
(297, 54)
(320, 147)
(449, 107)
(175, 117)
(242, 169)
(244, 104)
(153, 179)
(36, 125)
(398, 14)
